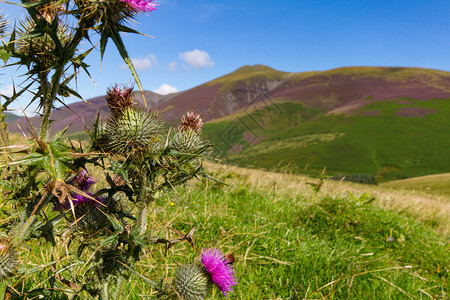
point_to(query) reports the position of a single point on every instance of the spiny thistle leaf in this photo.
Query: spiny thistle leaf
(115, 36)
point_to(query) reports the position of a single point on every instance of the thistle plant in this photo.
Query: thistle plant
(95, 234)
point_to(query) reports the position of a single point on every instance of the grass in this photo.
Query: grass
(343, 242)
(385, 145)
(311, 245)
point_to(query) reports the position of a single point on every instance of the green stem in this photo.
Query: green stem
(2, 289)
(120, 288)
(104, 295)
(4, 133)
(49, 97)
(144, 200)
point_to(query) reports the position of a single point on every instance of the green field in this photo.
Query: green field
(374, 140)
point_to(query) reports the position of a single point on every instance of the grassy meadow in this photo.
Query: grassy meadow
(291, 239)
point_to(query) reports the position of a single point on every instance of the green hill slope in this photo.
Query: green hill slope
(431, 184)
(388, 139)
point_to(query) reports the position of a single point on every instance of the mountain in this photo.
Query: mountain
(342, 88)
(380, 122)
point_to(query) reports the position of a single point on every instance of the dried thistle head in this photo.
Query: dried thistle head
(119, 98)
(118, 180)
(40, 46)
(191, 121)
(8, 260)
(50, 10)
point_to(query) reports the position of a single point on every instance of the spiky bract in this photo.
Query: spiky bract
(134, 131)
(8, 260)
(192, 282)
(188, 141)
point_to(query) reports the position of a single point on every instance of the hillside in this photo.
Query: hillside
(378, 140)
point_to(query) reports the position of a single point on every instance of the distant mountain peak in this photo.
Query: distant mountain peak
(246, 68)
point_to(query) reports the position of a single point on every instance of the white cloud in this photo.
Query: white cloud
(7, 90)
(173, 66)
(144, 63)
(165, 89)
(197, 59)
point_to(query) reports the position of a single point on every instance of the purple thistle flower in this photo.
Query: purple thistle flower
(84, 181)
(82, 200)
(141, 5)
(220, 270)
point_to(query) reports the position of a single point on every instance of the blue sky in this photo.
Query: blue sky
(197, 41)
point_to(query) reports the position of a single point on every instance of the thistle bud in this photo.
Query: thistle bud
(134, 131)
(192, 282)
(188, 141)
(119, 99)
(8, 260)
(191, 121)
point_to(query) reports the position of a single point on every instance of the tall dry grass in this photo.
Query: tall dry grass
(431, 209)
